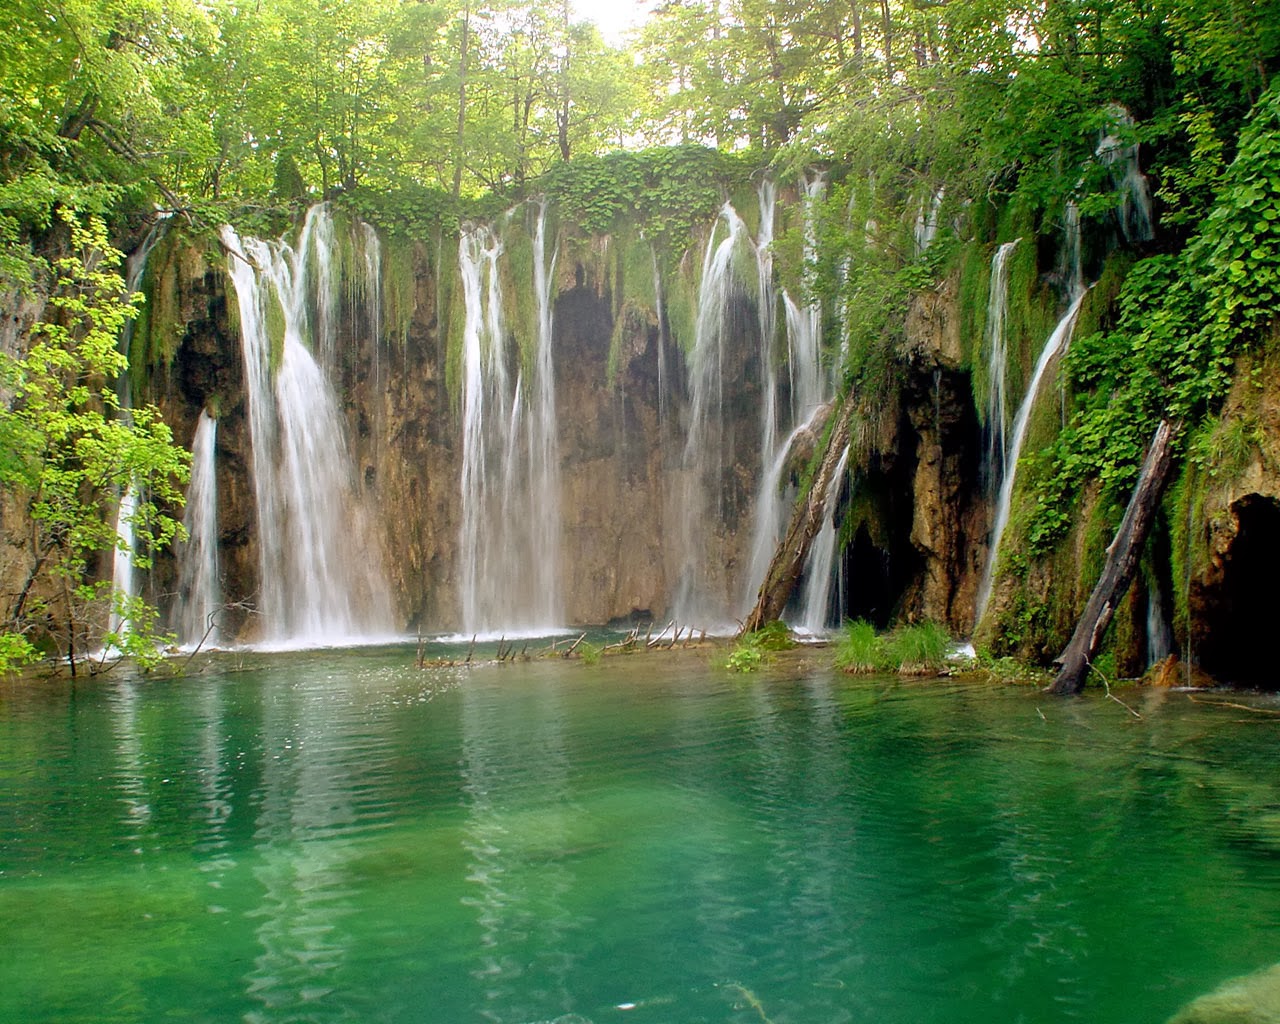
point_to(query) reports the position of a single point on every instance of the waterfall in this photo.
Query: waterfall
(702, 510)
(123, 586)
(926, 228)
(806, 386)
(804, 323)
(199, 589)
(510, 541)
(1159, 630)
(822, 553)
(371, 249)
(320, 571)
(1121, 159)
(1057, 341)
(997, 352)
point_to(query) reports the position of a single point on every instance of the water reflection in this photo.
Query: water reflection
(328, 840)
(520, 845)
(315, 760)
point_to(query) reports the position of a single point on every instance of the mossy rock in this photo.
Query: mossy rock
(1253, 999)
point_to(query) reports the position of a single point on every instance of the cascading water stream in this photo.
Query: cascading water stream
(320, 571)
(199, 587)
(926, 227)
(1057, 341)
(1073, 274)
(124, 583)
(997, 353)
(807, 392)
(702, 507)
(819, 569)
(1136, 217)
(510, 540)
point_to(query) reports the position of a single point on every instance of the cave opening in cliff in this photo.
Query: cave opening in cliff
(1236, 643)
(873, 580)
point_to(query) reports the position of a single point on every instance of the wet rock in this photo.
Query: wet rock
(1253, 999)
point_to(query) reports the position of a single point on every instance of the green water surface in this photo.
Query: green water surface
(342, 837)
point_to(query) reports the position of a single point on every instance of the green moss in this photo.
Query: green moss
(1188, 533)
(519, 301)
(399, 288)
(680, 292)
(160, 325)
(1033, 313)
(973, 293)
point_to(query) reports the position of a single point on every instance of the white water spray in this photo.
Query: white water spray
(1135, 214)
(123, 586)
(1057, 341)
(320, 565)
(806, 387)
(701, 511)
(819, 568)
(510, 541)
(997, 356)
(199, 586)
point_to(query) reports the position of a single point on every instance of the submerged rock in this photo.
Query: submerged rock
(1253, 999)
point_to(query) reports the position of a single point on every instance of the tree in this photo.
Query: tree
(67, 452)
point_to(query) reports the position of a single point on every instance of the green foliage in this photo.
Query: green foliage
(911, 649)
(772, 637)
(859, 650)
(918, 649)
(15, 652)
(1181, 321)
(745, 657)
(68, 450)
(667, 189)
(139, 641)
(752, 650)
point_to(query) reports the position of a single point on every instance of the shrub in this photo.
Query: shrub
(920, 649)
(859, 650)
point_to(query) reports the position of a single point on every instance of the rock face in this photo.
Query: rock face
(1253, 999)
(620, 442)
(912, 516)
(1234, 536)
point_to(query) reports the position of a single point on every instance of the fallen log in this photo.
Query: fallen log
(1123, 555)
(807, 518)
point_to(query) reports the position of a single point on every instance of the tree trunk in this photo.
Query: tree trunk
(806, 520)
(1121, 564)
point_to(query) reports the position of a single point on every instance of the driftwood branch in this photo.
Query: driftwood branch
(1123, 555)
(788, 560)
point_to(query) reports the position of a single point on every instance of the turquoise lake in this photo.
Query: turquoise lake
(340, 836)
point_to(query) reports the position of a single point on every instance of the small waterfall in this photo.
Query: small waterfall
(997, 352)
(320, 574)
(371, 250)
(1057, 341)
(819, 568)
(199, 588)
(804, 323)
(510, 542)
(123, 584)
(1159, 629)
(1072, 273)
(807, 390)
(702, 510)
(926, 229)
(1121, 159)
(316, 248)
